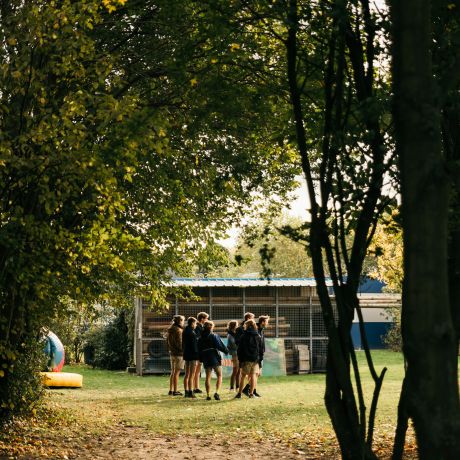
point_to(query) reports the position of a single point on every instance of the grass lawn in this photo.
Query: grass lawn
(291, 408)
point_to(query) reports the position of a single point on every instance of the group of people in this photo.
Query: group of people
(196, 344)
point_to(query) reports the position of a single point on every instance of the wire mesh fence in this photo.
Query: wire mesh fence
(295, 318)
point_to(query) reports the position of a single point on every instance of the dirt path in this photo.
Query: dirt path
(125, 442)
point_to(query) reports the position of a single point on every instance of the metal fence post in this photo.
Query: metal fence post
(311, 331)
(277, 312)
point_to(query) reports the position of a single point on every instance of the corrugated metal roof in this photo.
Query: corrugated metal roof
(244, 282)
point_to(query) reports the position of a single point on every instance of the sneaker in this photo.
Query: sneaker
(238, 396)
(257, 395)
(177, 393)
(216, 396)
(197, 390)
(246, 390)
(208, 398)
(170, 393)
(250, 395)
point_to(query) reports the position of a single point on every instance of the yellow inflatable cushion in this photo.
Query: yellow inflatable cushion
(62, 379)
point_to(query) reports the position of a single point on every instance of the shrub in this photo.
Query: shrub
(393, 339)
(21, 392)
(108, 346)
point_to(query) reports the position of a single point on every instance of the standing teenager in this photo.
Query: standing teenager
(201, 318)
(174, 343)
(238, 334)
(191, 356)
(262, 324)
(249, 356)
(232, 348)
(209, 346)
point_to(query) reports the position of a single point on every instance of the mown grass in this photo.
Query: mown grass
(291, 407)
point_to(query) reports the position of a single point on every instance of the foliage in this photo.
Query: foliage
(212, 260)
(114, 169)
(265, 249)
(22, 393)
(393, 338)
(108, 346)
(387, 246)
(78, 319)
(328, 62)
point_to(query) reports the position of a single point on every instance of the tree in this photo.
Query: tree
(387, 247)
(263, 249)
(422, 82)
(321, 59)
(109, 181)
(387, 252)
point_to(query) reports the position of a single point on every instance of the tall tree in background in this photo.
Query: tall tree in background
(320, 58)
(343, 201)
(264, 249)
(423, 82)
(387, 251)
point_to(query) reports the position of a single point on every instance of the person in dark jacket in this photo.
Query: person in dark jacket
(201, 318)
(174, 343)
(248, 356)
(191, 356)
(240, 329)
(238, 334)
(232, 348)
(209, 346)
(262, 323)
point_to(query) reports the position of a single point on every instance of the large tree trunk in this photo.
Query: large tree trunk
(429, 339)
(451, 138)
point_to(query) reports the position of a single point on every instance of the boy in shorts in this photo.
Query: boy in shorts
(191, 357)
(249, 350)
(174, 343)
(201, 318)
(232, 348)
(209, 346)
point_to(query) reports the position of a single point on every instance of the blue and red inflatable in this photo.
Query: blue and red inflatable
(54, 350)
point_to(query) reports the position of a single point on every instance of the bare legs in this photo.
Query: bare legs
(238, 376)
(207, 382)
(252, 379)
(234, 381)
(190, 370)
(174, 379)
(242, 379)
(196, 378)
(218, 371)
(252, 383)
